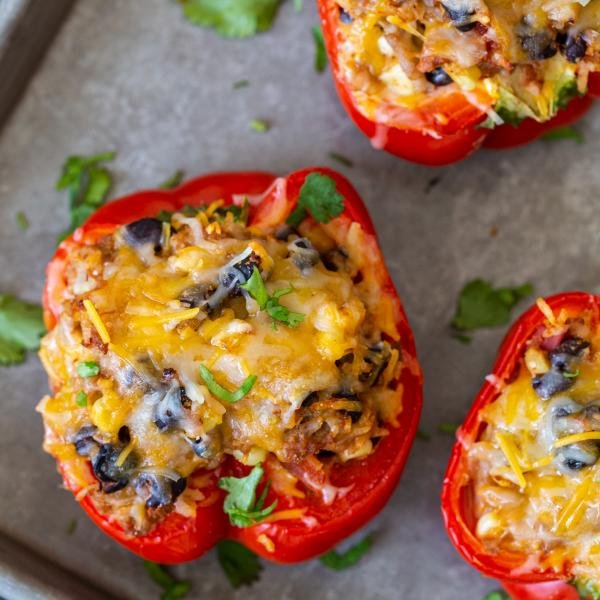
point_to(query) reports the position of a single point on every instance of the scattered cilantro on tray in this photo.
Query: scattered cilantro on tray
(21, 326)
(240, 565)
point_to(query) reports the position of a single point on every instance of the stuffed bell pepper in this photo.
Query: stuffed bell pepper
(229, 360)
(521, 495)
(430, 81)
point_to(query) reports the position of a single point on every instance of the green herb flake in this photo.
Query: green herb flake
(586, 589)
(81, 399)
(21, 326)
(338, 561)
(88, 184)
(240, 565)
(173, 181)
(22, 221)
(423, 435)
(320, 52)
(242, 83)
(497, 595)
(481, 305)
(240, 504)
(447, 428)
(259, 126)
(172, 588)
(319, 197)
(564, 133)
(88, 369)
(232, 18)
(340, 158)
(298, 5)
(255, 286)
(72, 527)
(223, 394)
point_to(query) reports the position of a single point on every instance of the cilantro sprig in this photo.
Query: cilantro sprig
(564, 133)
(319, 198)
(232, 18)
(497, 595)
(255, 286)
(173, 181)
(240, 565)
(89, 368)
(173, 589)
(21, 327)
(240, 504)
(320, 52)
(338, 561)
(220, 392)
(88, 183)
(481, 305)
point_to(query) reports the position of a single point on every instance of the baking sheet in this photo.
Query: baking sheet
(134, 77)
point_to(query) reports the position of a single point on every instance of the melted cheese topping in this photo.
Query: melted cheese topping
(529, 57)
(534, 469)
(147, 314)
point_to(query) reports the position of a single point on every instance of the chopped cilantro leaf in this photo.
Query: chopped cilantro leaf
(71, 527)
(172, 588)
(481, 305)
(242, 83)
(255, 286)
(298, 5)
(240, 565)
(259, 125)
(88, 184)
(173, 181)
(223, 394)
(423, 435)
(319, 197)
(240, 504)
(81, 398)
(21, 327)
(447, 428)
(338, 561)
(586, 589)
(232, 18)
(564, 133)
(320, 53)
(497, 595)
(22, 221)
(88, 369)
(343, 160)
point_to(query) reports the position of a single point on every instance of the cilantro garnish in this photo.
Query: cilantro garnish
(320, 53)
(21, 327)
(242, 83)
(240, 565)
(586, 589)
(481, 305)
(447, 428)
(259, 126)
(232, 18)
(319, 197)
(240, 504)
(173, 181)
(81, 398)
(88, 369)
(423, 435)
(298, 5)
(88, 183)
(220, 392)
(338, 561)
(71, 527)
(564, 133)
(343, 160)
(172, 588)
(497, 595)
(255, 286)
(22, 221)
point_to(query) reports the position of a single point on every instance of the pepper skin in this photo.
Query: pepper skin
(444, 130)
(371, 480)
(530, 583)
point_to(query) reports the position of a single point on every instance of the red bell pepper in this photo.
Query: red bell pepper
(522, 582)
(445, 128)
(371, 481)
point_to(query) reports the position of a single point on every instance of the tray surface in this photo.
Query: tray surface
(136, 78)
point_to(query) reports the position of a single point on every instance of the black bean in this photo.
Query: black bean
(345, 17)
(377, 359)
(576, 457)
(573, 47)
(144, 231)
(196, 295)
(539, 45)
(550, 383)
(169, 410)
(111, 476)
(572, 345)
(438, 77)
(157, 490)
(84, 440)
(461, 17)
(303, 254)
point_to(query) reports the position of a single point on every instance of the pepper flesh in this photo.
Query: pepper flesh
(457, 502)
(444, 130)
(371, 481)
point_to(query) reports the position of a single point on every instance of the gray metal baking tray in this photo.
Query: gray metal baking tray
(136, 78)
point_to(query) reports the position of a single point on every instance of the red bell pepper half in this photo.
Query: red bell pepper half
(457, 134)
(371, 481)
(521, 581)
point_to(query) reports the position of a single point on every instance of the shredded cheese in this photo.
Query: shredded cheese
(510, 452)
(96, 321)
(576, 438)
